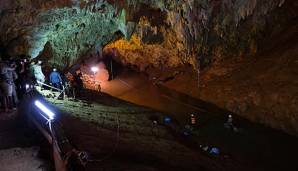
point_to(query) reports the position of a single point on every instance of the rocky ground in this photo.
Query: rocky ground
(21, 159)
(19, 146)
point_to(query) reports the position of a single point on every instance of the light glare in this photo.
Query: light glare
(94, 69)
(49, 113)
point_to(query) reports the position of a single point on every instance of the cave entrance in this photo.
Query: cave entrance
(112, 62)
(97, 69)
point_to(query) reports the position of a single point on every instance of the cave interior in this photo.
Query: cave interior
(165, 84)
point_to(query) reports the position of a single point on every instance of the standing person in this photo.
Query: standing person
(21, 81)
(11, 78)
(6, 84)
(78, 84)
(36, 70)
(55, 79)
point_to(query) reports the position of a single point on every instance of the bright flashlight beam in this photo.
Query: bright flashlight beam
(94, 69)
(45, 110)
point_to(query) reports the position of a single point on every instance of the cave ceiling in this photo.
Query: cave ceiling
(145, 32)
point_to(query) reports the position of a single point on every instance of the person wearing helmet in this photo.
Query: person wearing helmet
(55, 79)
(230, 120)
(193, 119)
(230, 125)
(36, 71)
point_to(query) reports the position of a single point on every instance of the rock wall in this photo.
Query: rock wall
(70, 29)
(197, 32)
(262, 88)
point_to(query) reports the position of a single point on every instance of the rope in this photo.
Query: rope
(63, 91)
(49, 86)
(124, 82)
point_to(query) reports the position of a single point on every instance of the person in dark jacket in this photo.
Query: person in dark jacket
(55, 79)
(78, 84)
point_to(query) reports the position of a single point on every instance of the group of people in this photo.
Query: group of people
(14, 74)
(54, 80)
(18, 76)
(59, 82)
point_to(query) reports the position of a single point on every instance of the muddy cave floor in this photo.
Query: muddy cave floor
(21, 147)
(91, 123)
